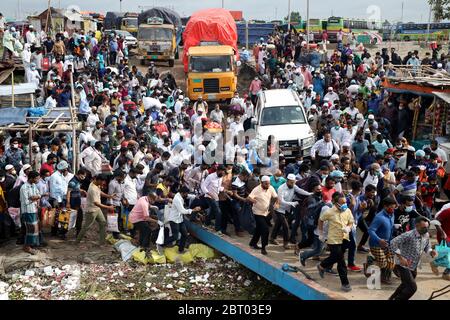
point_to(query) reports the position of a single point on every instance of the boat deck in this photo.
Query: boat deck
(297, 284)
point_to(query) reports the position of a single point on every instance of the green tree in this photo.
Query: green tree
(295, 17)
(441, 9)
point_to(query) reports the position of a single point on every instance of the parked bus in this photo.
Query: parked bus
(419, 31)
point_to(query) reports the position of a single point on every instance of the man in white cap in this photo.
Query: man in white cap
(261, 197)
(286, 194)
(31, 36)
(179, 104)
(331, 95)
(58, 191)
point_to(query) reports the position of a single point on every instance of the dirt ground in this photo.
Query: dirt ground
(66, 271)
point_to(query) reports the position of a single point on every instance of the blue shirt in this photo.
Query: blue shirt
(359, 148)
(381, 227)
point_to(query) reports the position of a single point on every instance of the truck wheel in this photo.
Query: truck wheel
(171, 63)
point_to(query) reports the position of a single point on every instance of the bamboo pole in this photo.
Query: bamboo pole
(30, 141)
(13, 101)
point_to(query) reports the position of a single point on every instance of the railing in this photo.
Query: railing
(424, 73)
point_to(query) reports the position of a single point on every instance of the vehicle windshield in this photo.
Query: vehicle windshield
(124, 33)
(282, 115)
(130, 22)
(155, 34)
(210, 64)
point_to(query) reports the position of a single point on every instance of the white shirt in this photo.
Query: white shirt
(50, 103)
(177, 209)
(31, 37)
(235, 128)
(178, 106)
(212, 185)
(373, 180)
(325, 149)
(217, 115)
(332, 96)
(92, 160)
(348, 136)
(337, 134)
(129, 190)
(115, 187)
(92, 120)
(352, 112)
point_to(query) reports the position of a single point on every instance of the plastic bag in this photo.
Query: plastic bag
(126, 249)
(173, 255)
(14, 213)
(113, 224)
(139, 256)
(48, 217)
(199, 250)
(443, 258)
(247, 219)
(157, 258)
(127, 225)
(83, 204)
(73, 219)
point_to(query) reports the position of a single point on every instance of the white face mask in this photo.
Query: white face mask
(2, 179)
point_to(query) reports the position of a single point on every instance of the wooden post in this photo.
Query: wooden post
(13, 98)
(30, 141)
(48, 16)
(435, 109)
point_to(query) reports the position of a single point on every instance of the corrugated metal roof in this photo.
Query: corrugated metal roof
(443, 96)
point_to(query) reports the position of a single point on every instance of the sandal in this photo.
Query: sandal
(29, 250)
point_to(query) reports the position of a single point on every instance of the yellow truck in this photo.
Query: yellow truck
(159, 35)
(212, 72)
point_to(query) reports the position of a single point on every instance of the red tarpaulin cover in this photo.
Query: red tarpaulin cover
(210, 25)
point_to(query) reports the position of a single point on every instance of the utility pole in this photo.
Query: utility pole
(289, 16)
(223, 4)
(403, 7)
(120, 5)
(307, 24)
(429, 24)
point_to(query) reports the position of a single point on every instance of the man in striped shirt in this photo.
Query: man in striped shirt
(29, 201)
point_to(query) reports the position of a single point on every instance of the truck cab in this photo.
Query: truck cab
(130, 24)
(280, 113)
(212, 71)
(157, 42)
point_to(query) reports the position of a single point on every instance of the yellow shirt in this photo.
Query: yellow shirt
(164, 190)
(94, 195)
(263, 199)
(337, 221)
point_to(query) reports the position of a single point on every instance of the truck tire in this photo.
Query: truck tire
(171, 63)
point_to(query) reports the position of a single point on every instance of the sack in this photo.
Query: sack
(157, 258)
(441, 172)
(48, 217)
(14, 213)
(139, 256)
(173, 255)
(443, 258)
(126, 249)
(199, 250)
(112, 222)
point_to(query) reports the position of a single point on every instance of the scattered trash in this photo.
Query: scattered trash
(247, 283)
(126, 249)
(181, 290)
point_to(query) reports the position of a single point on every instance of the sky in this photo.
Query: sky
(414, 10)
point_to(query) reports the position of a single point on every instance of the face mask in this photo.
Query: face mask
(318, 194)
(390, 210)
(15, 146)
(343, 207)
(2, 179)
(324, 176)
(36, 150)
(423, 231)
(409, 209)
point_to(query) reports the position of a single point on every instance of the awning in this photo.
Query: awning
(442, 95)
(22, 88)
(13, 116)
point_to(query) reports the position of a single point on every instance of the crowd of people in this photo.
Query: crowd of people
(143, 145)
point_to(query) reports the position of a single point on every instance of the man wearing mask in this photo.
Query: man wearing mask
(58, 192)
(37, 157)
(176, 218)
(285, 194)
(74, 195)
(340, 223)
(15, 155)
(29, 203)
(381, 233)
(261, 197)
(408, 249)
(211, 187)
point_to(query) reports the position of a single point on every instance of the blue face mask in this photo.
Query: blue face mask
(343, 207)
(409, 209)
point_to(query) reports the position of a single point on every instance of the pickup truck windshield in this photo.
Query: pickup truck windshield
(210, 64)
(282, 115)
(155, 34)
